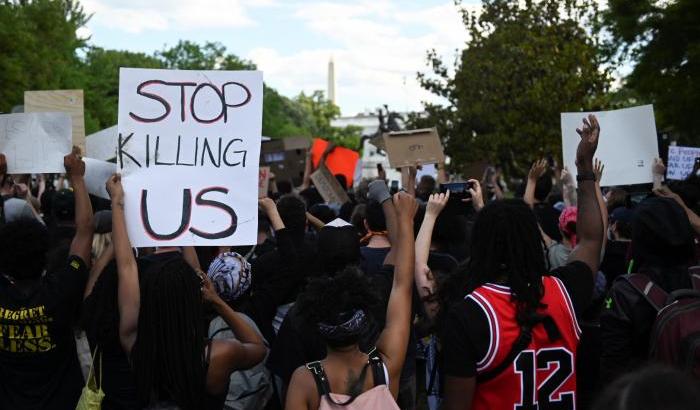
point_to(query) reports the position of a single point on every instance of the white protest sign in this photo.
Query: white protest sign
(35, 143)
(681, 161)
(188, 148)
(102, 145)
(96, 175)
(627, 145)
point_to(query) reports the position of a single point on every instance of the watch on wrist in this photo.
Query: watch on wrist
(585, 176)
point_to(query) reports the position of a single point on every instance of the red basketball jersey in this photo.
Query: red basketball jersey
(542, 376)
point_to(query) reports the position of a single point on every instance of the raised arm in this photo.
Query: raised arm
(536, 171)
(129, 293)
(249, 347)
(393, 340)
(598, 167)
(96, 270)
(568, 187)
(589, 226)
(189, 254)
(425, 282)
(694, 219)
(82, 241)
(408, 179)
(379, 191)
(658, 170)
(308, 170)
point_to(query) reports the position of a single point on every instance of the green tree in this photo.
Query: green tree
(38, 44)
(662, 39)
(101, 81)
(523, 65)
(319, 113)
(187, 55)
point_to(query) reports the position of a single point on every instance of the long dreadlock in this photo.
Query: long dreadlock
(168, 355)
(507, 248)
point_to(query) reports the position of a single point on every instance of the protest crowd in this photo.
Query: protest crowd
(462, 295)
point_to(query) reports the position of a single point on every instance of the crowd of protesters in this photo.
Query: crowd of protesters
(549, 298)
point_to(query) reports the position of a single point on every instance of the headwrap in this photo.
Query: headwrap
(231, 275)
(350, 328)
(568, 215)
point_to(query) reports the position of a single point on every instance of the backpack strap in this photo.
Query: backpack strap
(522, 342)
(694, 272)
(377, 366)
(656, 296)
(320, 378)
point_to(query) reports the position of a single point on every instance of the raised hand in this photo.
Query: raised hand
(589, 133)
(114, 188)
(566, 177)
(598, 168)
(405, 205)
(75, 167)
(477, 198)
(436, 203)
(538, 169)
(658, 168)
(267, 205)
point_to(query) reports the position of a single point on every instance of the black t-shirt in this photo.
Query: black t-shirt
(466, 335)
(372, 259)
(39, 365)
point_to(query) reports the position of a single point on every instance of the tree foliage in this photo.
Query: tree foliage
(662, 39)
(524, 64)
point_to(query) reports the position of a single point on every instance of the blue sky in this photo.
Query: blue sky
(378, 45)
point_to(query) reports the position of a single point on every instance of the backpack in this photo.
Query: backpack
(675, 334)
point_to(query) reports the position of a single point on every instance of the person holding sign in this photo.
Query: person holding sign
(160, 327)
(38, 360)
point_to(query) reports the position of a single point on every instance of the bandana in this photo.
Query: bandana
(567, 216)
(231, 275)
(348, 329)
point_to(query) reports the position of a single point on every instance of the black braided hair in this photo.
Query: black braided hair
(507, 248)
(168, 356)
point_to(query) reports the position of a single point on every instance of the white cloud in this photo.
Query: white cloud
(133, 16)
(380, 49)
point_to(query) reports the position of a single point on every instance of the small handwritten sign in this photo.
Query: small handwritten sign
(681, 161)
(328, 187)
(410, 148)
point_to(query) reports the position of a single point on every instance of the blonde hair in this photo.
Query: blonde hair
(100, 242)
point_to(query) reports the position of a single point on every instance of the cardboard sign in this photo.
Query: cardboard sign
(68, 101)
(340, 161)
(102, 145)
(188, 149)
(35, 143)
(263, 181)
(407, 148)
(96, 175)
(681, 161)
(627, 145)
(328, 187)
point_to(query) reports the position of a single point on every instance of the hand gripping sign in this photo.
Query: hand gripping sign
(188, 147)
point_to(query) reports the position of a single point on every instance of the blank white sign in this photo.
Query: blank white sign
(627, 145)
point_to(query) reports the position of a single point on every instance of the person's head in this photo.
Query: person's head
(507, 248)
(616, 198)
(543, 187)
(567, 224)
(263, 225)
(661, 234)
(293, 213)
(621, 223)
(339, 308)
(63, 207)
(374, 217)
(24, 244)
(231, 276)
(168, 354)
(323, 212)
(426, 186)
(357, 219)
(102, 236)
(284, 187)
(652, 388)
(338, 247)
